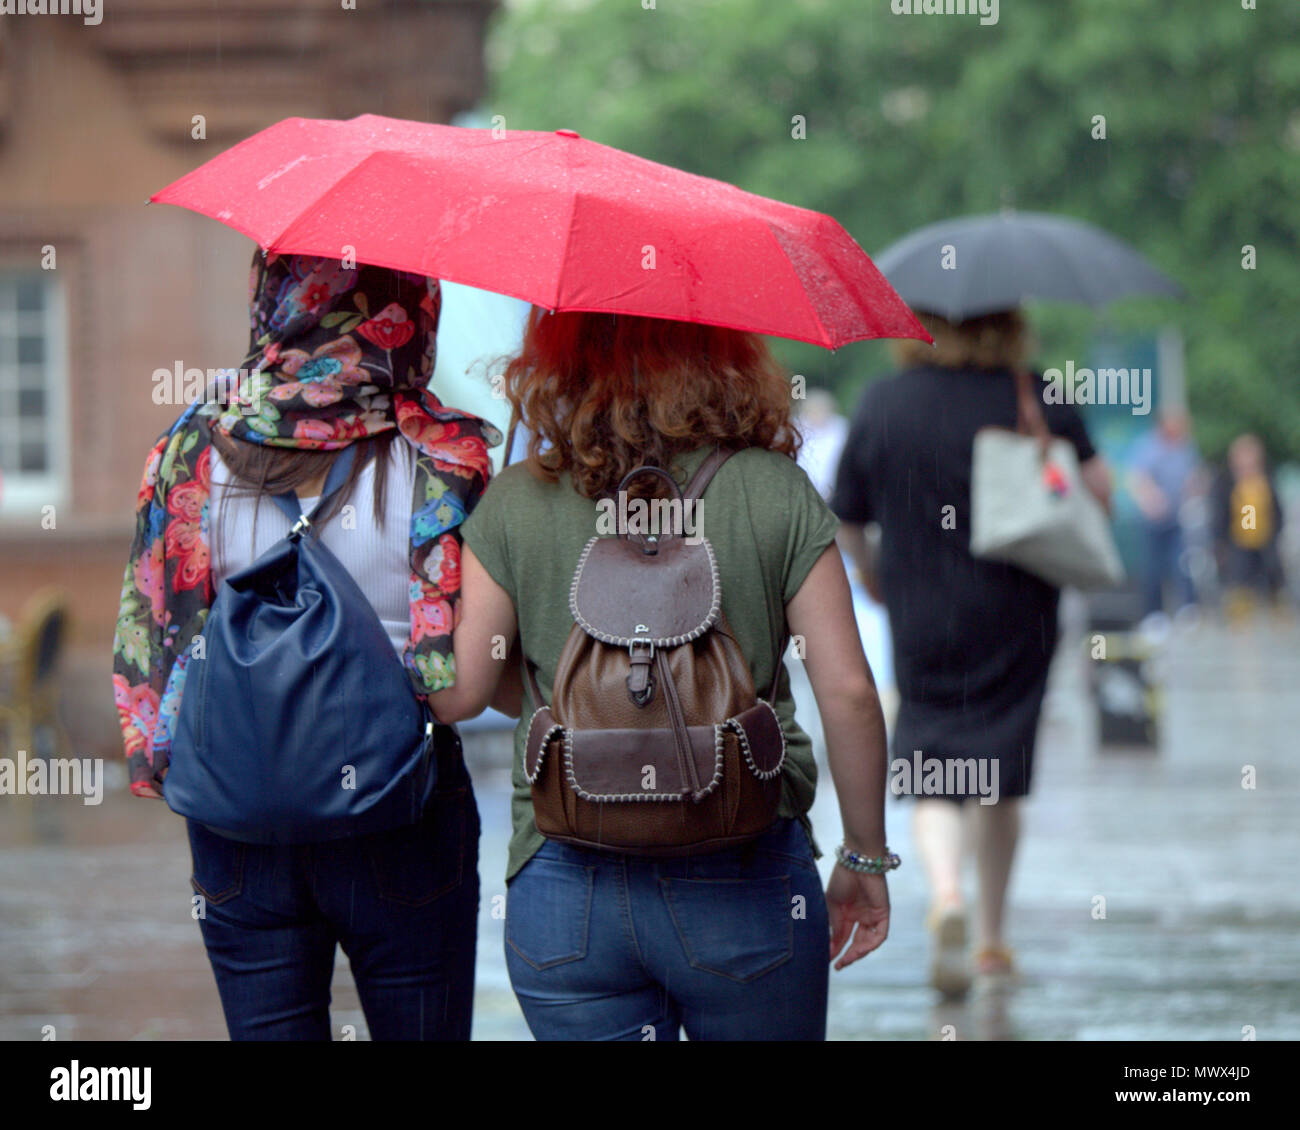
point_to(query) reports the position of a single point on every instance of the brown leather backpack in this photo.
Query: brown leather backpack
(655, 742)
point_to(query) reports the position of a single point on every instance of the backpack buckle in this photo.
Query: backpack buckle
(640, 686)
(300, 527)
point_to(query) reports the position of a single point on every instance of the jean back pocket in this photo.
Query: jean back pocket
(735, 928)
(218, 864)
(417, 864)
(548, 912)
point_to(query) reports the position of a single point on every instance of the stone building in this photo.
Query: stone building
(98, 290)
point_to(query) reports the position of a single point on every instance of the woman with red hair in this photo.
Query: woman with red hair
(732, 944)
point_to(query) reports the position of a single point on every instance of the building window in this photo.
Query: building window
(32, 454)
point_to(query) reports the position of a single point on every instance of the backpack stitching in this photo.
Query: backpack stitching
(744, 744)
(627, 641)
(718, 734)
(541, 753)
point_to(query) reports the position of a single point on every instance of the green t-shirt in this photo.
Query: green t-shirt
(767, 525)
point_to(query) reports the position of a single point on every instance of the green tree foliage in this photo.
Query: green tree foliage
(911, 118)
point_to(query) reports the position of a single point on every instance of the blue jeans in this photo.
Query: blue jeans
(729, 946)
(1166, 560)
(403, 905)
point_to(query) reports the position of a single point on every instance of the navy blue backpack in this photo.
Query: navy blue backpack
(298, 722)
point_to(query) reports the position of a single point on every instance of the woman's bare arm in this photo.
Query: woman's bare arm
(509, 697)
(1096, 477)
(485, 631)
(822, 613)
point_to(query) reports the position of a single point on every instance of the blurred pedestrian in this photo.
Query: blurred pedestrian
(824, 431)
(973, 638)
(1165, 469)
(1249, 520)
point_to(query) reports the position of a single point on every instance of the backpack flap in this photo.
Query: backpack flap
(664, 593)
(645, 595)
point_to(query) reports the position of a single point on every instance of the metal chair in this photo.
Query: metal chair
(30, 660)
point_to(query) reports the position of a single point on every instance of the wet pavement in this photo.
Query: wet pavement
(1200, 939)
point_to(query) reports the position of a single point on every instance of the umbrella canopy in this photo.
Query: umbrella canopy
(551, 218)
(973, 265)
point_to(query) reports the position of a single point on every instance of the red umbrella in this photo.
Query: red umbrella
(551, 218)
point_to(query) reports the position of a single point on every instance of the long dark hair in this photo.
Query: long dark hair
(260, 469)
(263, 469)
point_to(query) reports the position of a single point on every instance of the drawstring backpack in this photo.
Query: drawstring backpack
(655, 741)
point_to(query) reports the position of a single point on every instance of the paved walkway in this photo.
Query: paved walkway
(1201, 937)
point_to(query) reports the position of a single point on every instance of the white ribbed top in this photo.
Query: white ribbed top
(243, 527)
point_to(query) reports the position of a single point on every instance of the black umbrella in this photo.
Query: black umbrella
(974, 265)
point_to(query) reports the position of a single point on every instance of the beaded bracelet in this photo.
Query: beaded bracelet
(864, 864)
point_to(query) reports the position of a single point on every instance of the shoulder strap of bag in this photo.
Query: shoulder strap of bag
(338, 473)
(780, 666)
(694, 489)
(1030, 420)
(704, 473)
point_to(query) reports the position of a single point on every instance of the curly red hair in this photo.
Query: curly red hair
(603, 393)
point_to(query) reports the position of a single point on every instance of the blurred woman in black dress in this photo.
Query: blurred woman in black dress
(973, 639)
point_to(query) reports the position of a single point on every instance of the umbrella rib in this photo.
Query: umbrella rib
(334, 184)
(564, 254)
(574, 195)
(1048, 235)
(803, 292)
(964, 299)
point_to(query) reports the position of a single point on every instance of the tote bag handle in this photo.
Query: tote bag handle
(1030, 420)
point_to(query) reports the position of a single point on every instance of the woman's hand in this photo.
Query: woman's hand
(854, 899)
(144, 789)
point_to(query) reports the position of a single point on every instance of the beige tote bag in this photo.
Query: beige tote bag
(1029, 505)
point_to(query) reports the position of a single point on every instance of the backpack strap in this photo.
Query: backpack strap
(1030, 420)
(292, 508)
(780, 666)
(694, 489)
(536, 691)
(704, 474)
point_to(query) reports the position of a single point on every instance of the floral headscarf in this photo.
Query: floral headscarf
(337, 353)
